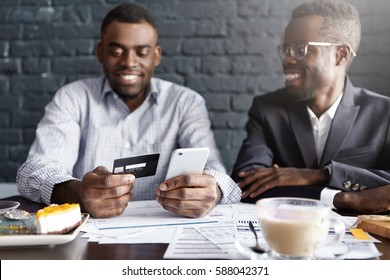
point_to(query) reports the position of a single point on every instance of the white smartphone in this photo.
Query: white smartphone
(187, 161)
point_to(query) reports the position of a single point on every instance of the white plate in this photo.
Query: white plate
(41, 239)
(7, 205)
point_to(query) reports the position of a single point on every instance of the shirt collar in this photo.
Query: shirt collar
(152, 92)
(331, 112)
(106, 89)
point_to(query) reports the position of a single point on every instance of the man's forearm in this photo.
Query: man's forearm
(320, 177)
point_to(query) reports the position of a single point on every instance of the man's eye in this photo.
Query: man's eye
(301, 50)
(116, 52)
(286, 50)
(143, 52)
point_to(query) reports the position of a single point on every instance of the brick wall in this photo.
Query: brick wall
(224, 49)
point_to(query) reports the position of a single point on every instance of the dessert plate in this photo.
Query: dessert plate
(7, 205)
(22, 233)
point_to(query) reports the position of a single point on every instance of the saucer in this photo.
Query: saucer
(334, 252)
(7, 205)
(244, 246)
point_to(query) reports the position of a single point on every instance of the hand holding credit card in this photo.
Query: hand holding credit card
(183, 161)
(139, 166)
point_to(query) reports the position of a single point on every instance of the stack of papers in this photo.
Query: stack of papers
(142, 222)
(211, 237)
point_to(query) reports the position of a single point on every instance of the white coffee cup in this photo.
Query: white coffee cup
(294, 228)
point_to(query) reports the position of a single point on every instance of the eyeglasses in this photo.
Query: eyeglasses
(298, 50)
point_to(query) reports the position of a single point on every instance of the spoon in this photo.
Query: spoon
(17, 214)
(257, 247)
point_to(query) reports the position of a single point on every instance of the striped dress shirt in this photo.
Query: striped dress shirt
(87, 125)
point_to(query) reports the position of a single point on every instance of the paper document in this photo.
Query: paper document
(223, 236)
(211, 237)
(140, 222)
(150, 214)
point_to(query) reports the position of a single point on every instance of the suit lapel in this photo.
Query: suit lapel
(302, 129)
(341, 125)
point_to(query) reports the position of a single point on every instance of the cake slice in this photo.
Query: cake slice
(58, 219)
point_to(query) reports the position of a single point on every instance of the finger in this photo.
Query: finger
(264, 186)
(193, 213)
(116, 203)
(118, 191)
(110, 207)
(97, 196)
(101, 170)
(251, 175)
(185, 208)
(189, 180)
(96, 193)
(254, 171)
(244, 174)
(189, 194)
(247, 181)
(112, 180)
(259, 186)
(251, 178)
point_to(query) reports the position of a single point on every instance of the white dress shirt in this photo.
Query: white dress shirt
(321, 127)
(87, 125)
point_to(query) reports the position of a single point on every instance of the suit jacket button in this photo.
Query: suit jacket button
(363, 187)
(355, 187)
(347, 184)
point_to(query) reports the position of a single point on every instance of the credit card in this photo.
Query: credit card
(139, 166)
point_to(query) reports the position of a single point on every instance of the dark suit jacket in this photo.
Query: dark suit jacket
(357, 149)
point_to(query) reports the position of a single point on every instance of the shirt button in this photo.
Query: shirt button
(127, 145)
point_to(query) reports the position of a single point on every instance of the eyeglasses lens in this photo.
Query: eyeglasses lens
(297, 51)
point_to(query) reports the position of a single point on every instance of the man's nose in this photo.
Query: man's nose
(130, 59)
(289, 59)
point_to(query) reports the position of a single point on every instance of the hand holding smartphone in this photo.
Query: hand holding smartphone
(187, 161)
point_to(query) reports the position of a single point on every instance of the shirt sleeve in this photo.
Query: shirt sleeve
(231, 193)
(54, 151)
(327, 196)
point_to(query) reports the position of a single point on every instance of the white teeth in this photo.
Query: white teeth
(129, 77)
(290, 77)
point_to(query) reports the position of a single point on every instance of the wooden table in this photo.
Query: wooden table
(82, 249)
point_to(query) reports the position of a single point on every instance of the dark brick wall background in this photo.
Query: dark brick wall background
(224, 49)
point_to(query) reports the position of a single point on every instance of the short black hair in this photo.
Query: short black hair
(341, 24)
(128, 13)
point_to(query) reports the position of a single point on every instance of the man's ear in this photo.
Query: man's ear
(344, 55)
(99, 52)
(158, 53)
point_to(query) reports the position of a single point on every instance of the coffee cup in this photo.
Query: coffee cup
(294, 228)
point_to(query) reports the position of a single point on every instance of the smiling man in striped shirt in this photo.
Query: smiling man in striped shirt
(128, 112)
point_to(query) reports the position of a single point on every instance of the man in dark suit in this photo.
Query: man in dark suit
(319, 137)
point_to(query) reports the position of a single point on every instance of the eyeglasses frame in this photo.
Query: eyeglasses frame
(319, 44)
